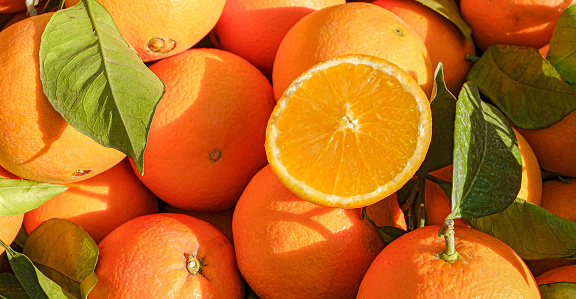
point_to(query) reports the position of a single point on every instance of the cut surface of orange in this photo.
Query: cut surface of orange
(349, 131)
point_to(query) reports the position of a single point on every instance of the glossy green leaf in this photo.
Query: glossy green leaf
(66, 254)
(562, 51)
(96, 82)
(36, 284)
(487, 168)
(449, 9)
(558, 290)
(443, 106)
(524, 85)
(20, 196)
(532, 231)
(10, 287)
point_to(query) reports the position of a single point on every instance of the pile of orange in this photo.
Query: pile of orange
(279, 158)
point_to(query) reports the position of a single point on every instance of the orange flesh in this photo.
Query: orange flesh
(359, 128)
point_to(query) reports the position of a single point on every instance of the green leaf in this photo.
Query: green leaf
(36, 284)
(96, 82)
(562, 51)
(10, 287)
(487, 169)
(66, 254)
(449, 9)
(532, 231)
(524, 85)
(443, 107)
(558, 290)
(20, 196)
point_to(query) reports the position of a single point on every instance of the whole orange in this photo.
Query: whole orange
(287, 247)
(207, 137)
(438, 204)
(561, 274)
(99, 204)
(9, 225)
(253, 29)
(167, 256)
(36, 142)
(444, 41)
(351, 28)
(161, 28)
(515, 22)
(410, 268)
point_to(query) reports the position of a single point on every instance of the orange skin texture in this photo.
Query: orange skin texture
(36, 142)
(9, 225)
(183, 21)
(214, 101)
(387, 212)
(99, 204)
(351, 28)
(220, 220)
(253, 29)
(445, 43)
(287, 247)
(515, 22)
(560, 199)
(146, 258)
(561, 274)
(409, 268)
(438, 204)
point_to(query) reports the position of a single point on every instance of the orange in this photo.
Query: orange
(544, 50)
(554, 146)
(9, 225)
(351, 28)
(515, 22)
(409, 268)
(167, 256)
(287, 247)
(220, 220)
(254, 29)
(560, 199)
(349, 131)
(21, 15)
(387, 212)
(444, 41)
(207, 137)
(36, 142)
(562, 274)
(10, 6)
(438, 204)
(161, 28)
(99, 204)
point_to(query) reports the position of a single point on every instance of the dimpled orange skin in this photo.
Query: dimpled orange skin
(99, 204)
(254, 29)
(445, 43)
(351, 28)
(515, 22)
(184, 21)
(207, 136)
(36, 142)
(287, 247)
(146, 258)
(9, 225)
(408, 268)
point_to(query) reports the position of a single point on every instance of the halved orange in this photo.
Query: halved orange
(349, 131)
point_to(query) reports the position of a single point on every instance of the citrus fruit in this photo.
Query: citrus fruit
(561, 274)
(438, 204)
(560, 199)
(167, 255)
(9, 225)
(544, 50)
(99, 204)
(412, 267)
(220, 220)
(10, 6)
(444, 41)
(349, 131)
(287, 247)
(207, 136)
(351, 28)
(36, 142)
(253, 29)
(161, 28)
(515, 22)
(387, 212)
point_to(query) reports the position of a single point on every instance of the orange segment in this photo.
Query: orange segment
(349, 131)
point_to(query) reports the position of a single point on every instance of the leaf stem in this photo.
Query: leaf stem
(472, 58)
